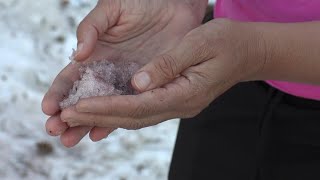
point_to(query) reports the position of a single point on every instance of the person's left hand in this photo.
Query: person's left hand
(182, 82)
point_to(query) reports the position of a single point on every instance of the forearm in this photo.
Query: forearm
(289, 52)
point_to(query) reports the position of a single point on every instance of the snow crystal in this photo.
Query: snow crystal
(102, 78)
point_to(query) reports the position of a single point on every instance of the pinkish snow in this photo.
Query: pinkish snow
(102, 78)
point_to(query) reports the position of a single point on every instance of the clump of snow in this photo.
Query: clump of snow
(101, 78)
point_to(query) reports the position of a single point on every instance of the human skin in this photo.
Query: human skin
(131, 30)
(208, 61)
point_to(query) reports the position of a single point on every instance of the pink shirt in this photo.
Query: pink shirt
(275, 11)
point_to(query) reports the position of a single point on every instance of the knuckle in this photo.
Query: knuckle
(201, 45)
(140, 111)
(198, 37)
(66, 115)
(167, 66)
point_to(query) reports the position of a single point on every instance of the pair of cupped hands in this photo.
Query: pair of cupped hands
(186, 66)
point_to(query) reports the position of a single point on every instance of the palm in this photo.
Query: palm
(133, 37)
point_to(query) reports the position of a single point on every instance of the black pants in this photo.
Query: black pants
(251, 132)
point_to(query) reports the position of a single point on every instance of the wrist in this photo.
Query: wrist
(286, 51)
(244, 45)
(257, 50)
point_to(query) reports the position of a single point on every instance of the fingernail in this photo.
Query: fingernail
(142, 80)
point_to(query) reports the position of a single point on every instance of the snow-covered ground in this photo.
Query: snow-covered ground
(36, 37)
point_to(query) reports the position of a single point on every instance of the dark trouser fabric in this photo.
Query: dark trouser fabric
(252, 132)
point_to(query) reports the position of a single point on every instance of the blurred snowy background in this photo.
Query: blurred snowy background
(36, 37)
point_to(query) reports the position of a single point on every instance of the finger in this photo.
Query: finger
(59, 89)
(174, 96)
(75, 119)
(95, 24)
(144, 104)
(98, 133)
(166, 67)
(111, 105)
(55, 127)
(73, 135)
(88, 119)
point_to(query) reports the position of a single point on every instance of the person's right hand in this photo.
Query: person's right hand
(120, 30)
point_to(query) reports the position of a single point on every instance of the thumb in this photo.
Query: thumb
(192, 50)
(92, 26)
